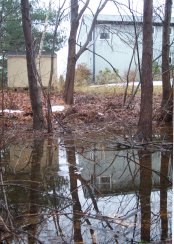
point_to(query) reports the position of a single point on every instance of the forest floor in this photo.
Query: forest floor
(91, 112)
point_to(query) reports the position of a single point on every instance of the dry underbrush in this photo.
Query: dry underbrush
(89, 112)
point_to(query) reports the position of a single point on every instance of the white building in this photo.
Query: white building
(117, 41)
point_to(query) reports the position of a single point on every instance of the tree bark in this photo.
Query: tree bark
(36, 104)
(145, 121)
(70, 75)
(167, 97)
(72, 55)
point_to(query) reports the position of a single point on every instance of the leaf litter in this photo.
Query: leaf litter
(89, 112)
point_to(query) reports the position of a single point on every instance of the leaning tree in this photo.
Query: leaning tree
(36, 104)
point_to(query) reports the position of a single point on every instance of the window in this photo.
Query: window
(104, 36)
(105, 33)
(153, 30)
(91, 37)
(170, 31)
(105, 180)
(172, 58)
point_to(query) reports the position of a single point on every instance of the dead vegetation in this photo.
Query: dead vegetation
(93, 111)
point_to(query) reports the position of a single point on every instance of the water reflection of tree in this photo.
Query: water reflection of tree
(145, 193)
(70, 150)
(56, 184)
(145, 201)
(35, 189)
(164, 183)
(91, 216)
(6, 218)
(53, 182)
(78, 214)
(23, 194)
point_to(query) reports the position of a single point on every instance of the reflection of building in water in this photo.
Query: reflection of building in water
(117, 171)
(19, 156)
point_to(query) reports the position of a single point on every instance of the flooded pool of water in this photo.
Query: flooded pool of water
(68, 190)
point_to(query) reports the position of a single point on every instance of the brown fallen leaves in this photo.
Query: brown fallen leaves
(89, 112)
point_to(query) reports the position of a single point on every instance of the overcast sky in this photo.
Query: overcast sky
(137, 5)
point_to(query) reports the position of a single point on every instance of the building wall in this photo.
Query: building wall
(17, 70)
(117, 170)
(20, 156)
(87, 56)
(119, 48)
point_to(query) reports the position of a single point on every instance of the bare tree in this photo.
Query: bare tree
(72, 55)
(59, 16)
(36, 104)
(145, 121)
(167, 95)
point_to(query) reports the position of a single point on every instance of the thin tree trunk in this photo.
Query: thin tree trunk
(145, 122)
(70, 75)
(69, 85)
(36, 104)
(49, 109)
(167, 98)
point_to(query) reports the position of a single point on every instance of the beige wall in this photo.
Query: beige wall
(20, 156)
(17, 70)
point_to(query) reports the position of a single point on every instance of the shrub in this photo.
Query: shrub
(82, 75)
(61, 83)
(132, 76)
(107, 76)
(156, 71)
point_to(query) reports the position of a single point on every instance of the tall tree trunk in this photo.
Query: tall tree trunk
(70, 75)
(72, 55)
(36, 104)
(167, 96)
(145, 122)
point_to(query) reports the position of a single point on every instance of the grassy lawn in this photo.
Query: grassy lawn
(112, 89)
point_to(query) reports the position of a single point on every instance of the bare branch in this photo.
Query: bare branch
(83, 10)
(99, 9)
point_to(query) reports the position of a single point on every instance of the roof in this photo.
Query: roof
(14, 54)
(125, 19)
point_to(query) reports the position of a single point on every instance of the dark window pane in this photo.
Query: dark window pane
(104, 35)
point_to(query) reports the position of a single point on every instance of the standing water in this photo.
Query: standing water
(86, 190)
